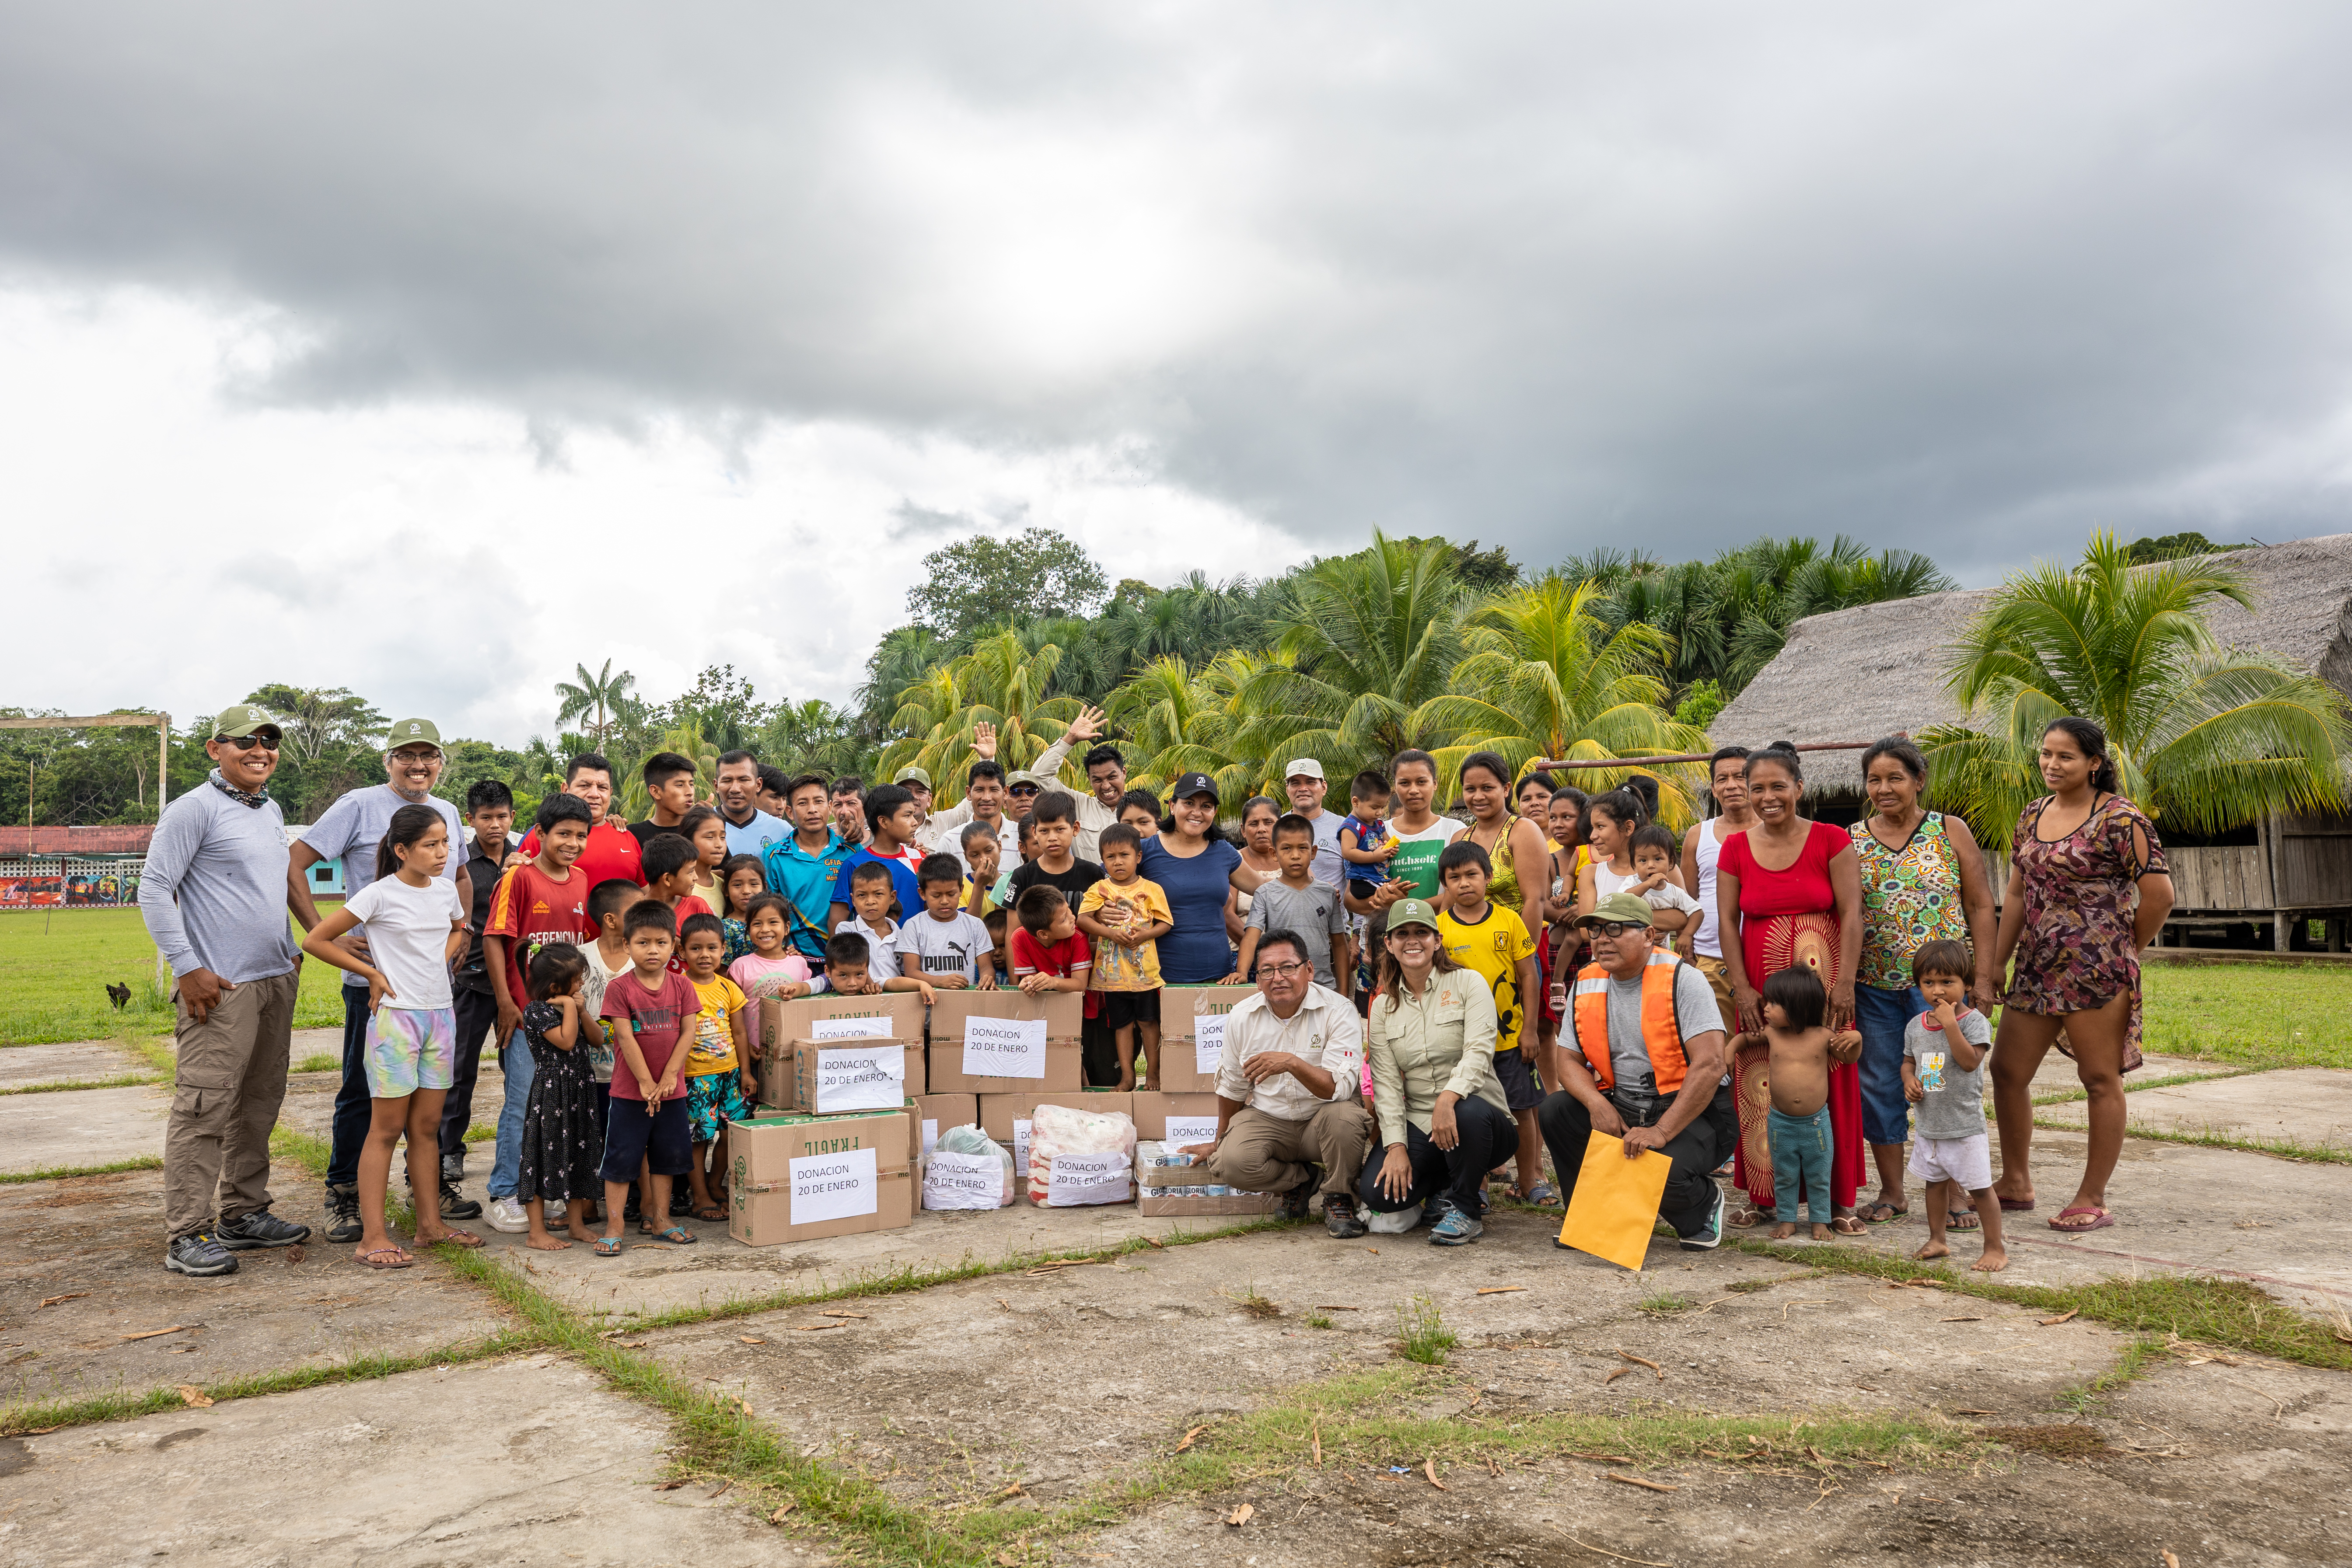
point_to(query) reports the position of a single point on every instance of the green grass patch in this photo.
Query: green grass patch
(2256, 1014)
(63, 1172)
(1422, 1333)
(55, 969)
(1666, 1303)
(61, 1086)
(2231, 1315)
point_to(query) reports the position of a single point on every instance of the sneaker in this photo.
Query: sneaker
(1340, 1218)
(508, 1215)
(453, 1166)
(1454, 1225)
(1296, 1201)
(1709, 1235)
(455, 1204)
(260, 1229)
(198, 1255)
(343, 1215)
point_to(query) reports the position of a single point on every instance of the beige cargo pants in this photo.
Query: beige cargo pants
(232, 1079)
(1264, 1153)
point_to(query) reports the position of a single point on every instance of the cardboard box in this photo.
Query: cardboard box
(1005, 1118)
(1153, 1109)
(802, 1178)
(934, 1113)
(1148, 1203)
(809, 1058)
(1061, 1069)
(1181, 1007)
(897, 1015)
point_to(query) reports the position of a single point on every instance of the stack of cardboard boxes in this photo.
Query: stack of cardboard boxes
(844, 1073)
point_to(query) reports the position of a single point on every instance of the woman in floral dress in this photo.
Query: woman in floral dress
(2089, 888)
(1923, 881)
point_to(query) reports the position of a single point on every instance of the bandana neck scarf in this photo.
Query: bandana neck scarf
(253, 799)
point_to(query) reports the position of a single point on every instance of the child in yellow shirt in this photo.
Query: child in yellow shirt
(719, 1080)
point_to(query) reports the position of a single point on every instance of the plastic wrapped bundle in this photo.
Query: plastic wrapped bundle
(1096, 1151)
(966, 1169)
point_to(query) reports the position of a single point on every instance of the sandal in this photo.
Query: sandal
(1748, 1216)
(2017, 1205)
(1966, 1219)
(714, 1215)
(607, 1246)
(398, 1258)
(1880, 1212)
(677, 1235)
(1542, 1195)
(464, 1238)
(1847, 1224)
(2100, 1219)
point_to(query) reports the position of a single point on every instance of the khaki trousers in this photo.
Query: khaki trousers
(231, 1081)
(1264, 1153)
(1718, 980)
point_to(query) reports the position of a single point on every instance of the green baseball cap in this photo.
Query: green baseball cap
(411, 732)
(1619, 909)
(1412, 912)
(913, 775)
(245, 719)
(1020, 776)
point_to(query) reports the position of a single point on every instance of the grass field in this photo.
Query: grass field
(54, 971)
(2254, 1014)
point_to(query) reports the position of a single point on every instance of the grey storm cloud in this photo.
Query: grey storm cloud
(1970, 279)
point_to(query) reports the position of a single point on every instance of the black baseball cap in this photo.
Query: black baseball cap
(1191, 784)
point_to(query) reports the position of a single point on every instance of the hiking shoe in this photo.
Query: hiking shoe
(1295, 1201)
(1454, 1225)
(1709, 1235)
(343, 1215)
(198, 1255)
(1340, 1218)
(453, 1166)
(260, 1229)
(507, 1215)
(455, 1204)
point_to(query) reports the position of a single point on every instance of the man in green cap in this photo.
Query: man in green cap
(349, 829)
(215, 898)
(1644, 1062)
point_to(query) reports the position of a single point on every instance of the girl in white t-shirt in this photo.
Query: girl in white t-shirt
(415, 931)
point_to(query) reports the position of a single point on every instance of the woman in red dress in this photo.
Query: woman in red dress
(1792, 889)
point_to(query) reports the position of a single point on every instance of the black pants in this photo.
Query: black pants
(1489, 1137)
(477, 1012)
(354, 1106)
(1697, 1151)
(1098, 1054)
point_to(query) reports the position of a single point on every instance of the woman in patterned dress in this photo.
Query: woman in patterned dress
(1790, 888)
(2088, 890)
(1923, 881)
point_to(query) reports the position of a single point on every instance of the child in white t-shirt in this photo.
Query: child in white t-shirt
(1653, 852)
(945, 944)
(871, 894)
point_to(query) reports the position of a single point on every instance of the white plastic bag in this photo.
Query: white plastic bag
(1095, 1152)
(1396, 1224)
(966, 1169)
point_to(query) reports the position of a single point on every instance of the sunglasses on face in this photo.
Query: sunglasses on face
(246, 743)
(1023, 792)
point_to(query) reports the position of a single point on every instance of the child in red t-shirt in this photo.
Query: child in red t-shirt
(1048, 952)
(654, 1008)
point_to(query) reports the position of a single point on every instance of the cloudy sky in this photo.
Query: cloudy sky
(429, 350)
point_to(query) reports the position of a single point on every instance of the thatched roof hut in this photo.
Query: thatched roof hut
(1858, 674)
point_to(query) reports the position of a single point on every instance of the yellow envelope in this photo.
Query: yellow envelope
(1616, 1203)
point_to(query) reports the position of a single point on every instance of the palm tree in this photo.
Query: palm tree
(2205, 738)
(598, 695)
(1187, 720)
(1365, 641)
(1544, 675)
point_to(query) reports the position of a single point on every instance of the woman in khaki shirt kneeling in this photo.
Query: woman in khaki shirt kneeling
(1442, 1112)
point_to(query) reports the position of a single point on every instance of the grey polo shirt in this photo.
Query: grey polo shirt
(214, 894)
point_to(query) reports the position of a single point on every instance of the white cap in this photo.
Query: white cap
(1308, 765)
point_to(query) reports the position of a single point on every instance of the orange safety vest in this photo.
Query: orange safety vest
(1661, 1032)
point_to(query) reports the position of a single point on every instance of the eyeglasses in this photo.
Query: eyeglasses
(1282, 971)
(1616, 927)
(246, 743)
(416, 759)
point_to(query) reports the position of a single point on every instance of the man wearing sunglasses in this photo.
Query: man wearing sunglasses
(1290, 1090)
(1643, 1060)
(351, 828)
(215, 898)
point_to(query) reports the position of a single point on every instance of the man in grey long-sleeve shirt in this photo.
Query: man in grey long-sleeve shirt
(215, 900)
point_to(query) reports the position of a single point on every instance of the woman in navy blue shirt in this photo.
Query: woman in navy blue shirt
(1196, 869)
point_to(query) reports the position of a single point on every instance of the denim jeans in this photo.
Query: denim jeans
(353, 1106)
(477, 1016)
(1882, 1016)
(1801, 1154)
(506, 1167)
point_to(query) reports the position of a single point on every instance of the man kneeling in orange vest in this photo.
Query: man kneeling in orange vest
(1648, 1065)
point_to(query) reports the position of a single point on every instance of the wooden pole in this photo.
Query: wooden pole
(1550, 765)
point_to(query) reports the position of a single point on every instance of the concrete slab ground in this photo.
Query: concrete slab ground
(26, 1067)
(2056, 1073)
(2310, 1106)
(82, 1127)
(94, 1246)
(531, 1460)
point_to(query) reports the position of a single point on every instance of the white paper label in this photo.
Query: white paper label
(861, 1078)
(1088, 1179)
(834, 1186)
(1184, 1130)
(1004, 1047)
(1208, 1042)
(850, 1029)
(931, 1133)
(1020, 1148)
(953, 1181)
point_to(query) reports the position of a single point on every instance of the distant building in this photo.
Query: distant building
(69, 867)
